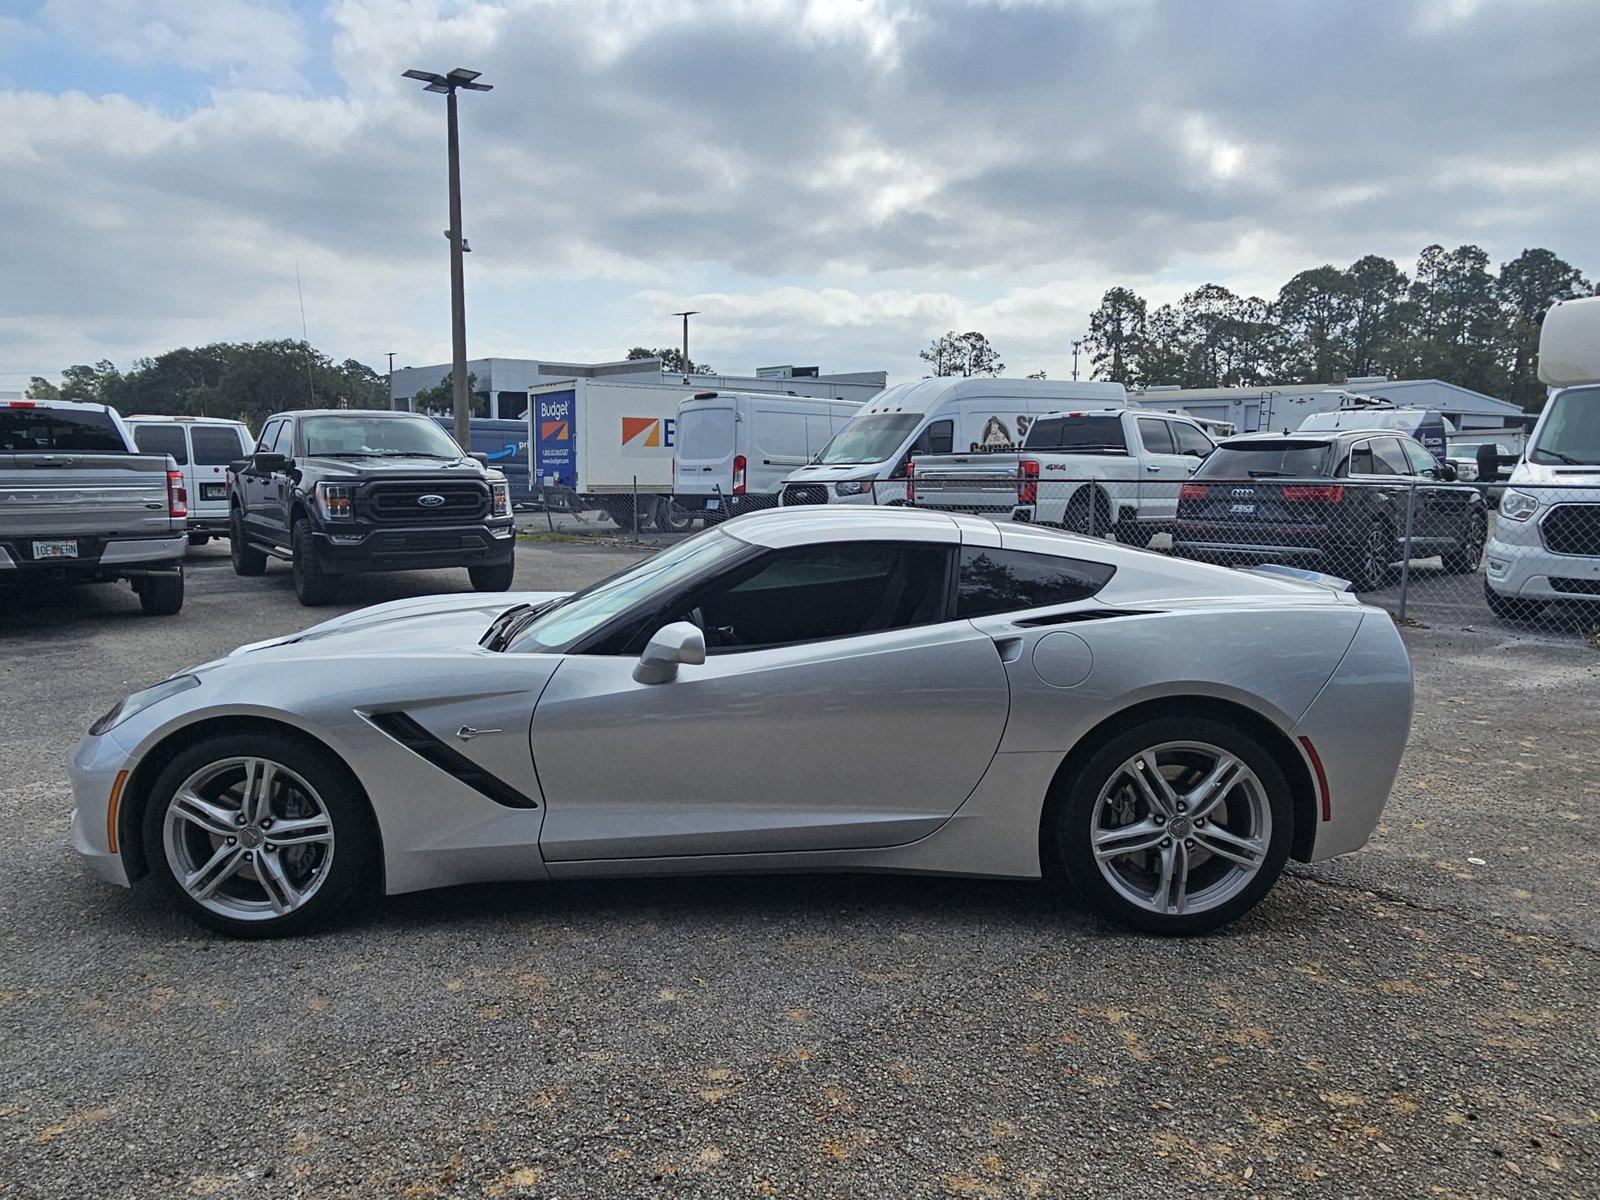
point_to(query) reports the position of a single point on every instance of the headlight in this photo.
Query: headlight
(334, 500)
(853, 487)
(500, 499)
(139, 701)
(1518, 506)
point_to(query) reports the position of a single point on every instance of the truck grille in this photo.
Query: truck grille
(805, 493)
(1573, 529)
(402, 500)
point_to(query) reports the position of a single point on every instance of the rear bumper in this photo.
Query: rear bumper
(215, 526)
(99, 558)
(416, 549)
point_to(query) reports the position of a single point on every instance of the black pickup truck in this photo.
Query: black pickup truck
(341, 492)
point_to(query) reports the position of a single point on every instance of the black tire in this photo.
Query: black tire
(199, 539)
(671, 517)
(160, 595)
(1077, 517)
(1367, 564)
(1510, 608)
(352, 872)
(1071, 813)
(1468, 557)
(495, 578)
(312, 585)
(622, 515)
(247, 560)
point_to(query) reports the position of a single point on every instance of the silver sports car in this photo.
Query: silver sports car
(861, 689)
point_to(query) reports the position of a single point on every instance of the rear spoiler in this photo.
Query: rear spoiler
(1317, 578)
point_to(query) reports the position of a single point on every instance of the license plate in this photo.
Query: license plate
(55, 549)
(713, 503)
(213, 491)
(1243, 510)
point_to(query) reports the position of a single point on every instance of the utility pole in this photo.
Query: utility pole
(1076, 344)
(448, 85)
(391, 381)
(686, 315)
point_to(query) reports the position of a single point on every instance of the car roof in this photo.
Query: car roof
(1320, 436)
(186, 420)
(779, 527)
(342, 412)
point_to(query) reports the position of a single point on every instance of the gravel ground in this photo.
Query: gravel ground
(1417, 1019)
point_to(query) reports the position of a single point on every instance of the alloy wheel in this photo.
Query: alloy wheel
(1181, 828)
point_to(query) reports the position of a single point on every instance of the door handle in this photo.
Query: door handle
(1010, 648)
(466, 733)
(1152, 467)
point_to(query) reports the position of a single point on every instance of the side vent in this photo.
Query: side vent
(1083, 614)
(423, 744)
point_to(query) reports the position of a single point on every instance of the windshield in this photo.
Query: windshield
(1102, 434)
(869, 439)
(1570, 435)
(1255, 460)
(25, 429)
(377, 437)
(561, 626)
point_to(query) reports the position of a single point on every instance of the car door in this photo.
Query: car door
(1162, 469)
(1443, 511)
(1390, 462)
(252, 480)
(837, 708)
(276, 485)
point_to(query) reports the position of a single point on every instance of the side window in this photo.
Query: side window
(215, 445)
(1422, 463)
(1388, 457)
(162, 439)
(269, 434)
(810, 593)
(1361, 459)
(1155, 436)
(999, 581)
(938, 438)
(284, 444)
(1190, 440)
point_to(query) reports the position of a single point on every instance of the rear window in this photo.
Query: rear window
(1084, 435)
(43, 430)
(1000, 581)
(217, 445)
(705, 433)
(1291, 458)
(161, 439)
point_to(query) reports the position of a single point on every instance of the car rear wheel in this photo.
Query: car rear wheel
(1469, 555)
(312, 585)
(247, 560)
(1176, 826)
(492, 579)
(1367, 565)
(199, 539)
(160, 595)
(258, 836)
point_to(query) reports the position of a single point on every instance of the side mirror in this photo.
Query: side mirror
(480, 458)
(1448, 472)
(1488, 462)
(267, 462)
(670, 646)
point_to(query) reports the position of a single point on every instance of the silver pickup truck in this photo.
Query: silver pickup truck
(79, 505)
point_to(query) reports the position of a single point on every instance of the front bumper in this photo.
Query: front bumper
(93, 770)
(1517, 564)
(419, 548)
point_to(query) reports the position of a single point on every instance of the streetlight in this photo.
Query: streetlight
(693, 312)
(1077, 343)
(449, 84)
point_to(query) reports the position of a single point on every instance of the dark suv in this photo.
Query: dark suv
(1334, 500)
(340, 492)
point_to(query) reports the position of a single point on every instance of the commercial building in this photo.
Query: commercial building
(500, 385)
(1283, 406)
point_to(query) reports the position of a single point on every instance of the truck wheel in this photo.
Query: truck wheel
(312, 585)
(247, 560)
(199, 539)
(1079, 518)
(160, 595)
(672, 517)
(493, 579)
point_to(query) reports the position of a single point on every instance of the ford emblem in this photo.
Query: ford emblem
(430, 500)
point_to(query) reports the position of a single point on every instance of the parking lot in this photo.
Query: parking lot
(1416, 1019)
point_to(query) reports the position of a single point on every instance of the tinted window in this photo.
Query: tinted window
(377, 437)
(810, 593)
(217, 445)
(162, 439)
(41, 430)
(1361, 459)
(998, 581)
(1388, 458)
(284, 443)
(1421, 462)
(938, 438)
(1291, 457)
(1190, 440)
(1101, 435)
(1156, 436)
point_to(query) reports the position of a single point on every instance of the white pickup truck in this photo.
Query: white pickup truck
(1109, 472)
(79, 504)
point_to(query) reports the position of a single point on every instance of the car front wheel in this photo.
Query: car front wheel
(312, 585)
(495, 578)
(1176, 826)
(257, 836)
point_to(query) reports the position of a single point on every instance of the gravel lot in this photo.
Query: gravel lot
(1417, 1019)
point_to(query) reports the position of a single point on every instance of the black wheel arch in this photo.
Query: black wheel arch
(1277, 743)
(135, 796)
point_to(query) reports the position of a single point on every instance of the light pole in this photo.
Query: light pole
(391, 380)
(686, 315)
(1077, 343)
(449, 84)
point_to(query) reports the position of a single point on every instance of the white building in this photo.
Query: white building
(1283, 406)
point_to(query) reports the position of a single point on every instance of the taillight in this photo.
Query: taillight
(177, 495)
(1192, 491)
(1314, 493)
(1028, 481)
(738, 474)
(911, 481)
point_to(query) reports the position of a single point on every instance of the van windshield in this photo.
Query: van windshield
(1570, 435)
(869, 439)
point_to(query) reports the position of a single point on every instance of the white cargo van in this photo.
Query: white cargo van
(1546, 540)
(736, 448)
(202, 447)
(866, 461)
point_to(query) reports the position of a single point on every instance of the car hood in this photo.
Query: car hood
(819, 473)
(383, 468)
(1555, 473)
(412, 626)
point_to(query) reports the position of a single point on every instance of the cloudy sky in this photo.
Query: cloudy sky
(833, 182)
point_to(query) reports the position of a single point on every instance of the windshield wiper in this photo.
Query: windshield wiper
(1566, 458)
(494, 637)
(1269, 474)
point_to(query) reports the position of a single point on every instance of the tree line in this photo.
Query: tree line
(1453, 319)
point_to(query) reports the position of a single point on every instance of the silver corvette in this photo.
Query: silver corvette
(804, 690)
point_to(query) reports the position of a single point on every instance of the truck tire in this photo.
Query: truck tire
(247, 560)
(312, 585)
(672, 517)
(1079, 518)
(199, 539)
(160, 595)
(495, 578)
